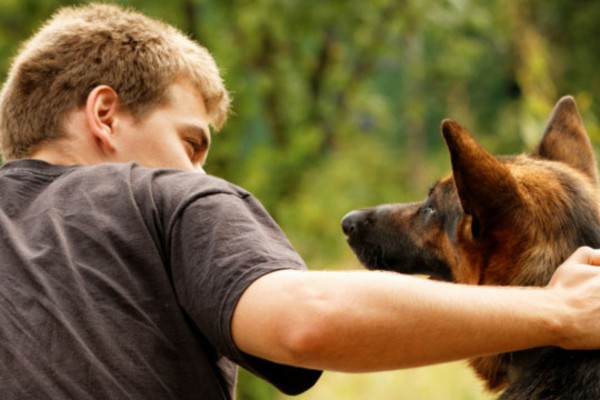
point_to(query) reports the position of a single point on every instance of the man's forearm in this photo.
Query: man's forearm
(368, 321)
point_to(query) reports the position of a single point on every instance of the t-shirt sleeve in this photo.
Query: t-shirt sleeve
(220, 244)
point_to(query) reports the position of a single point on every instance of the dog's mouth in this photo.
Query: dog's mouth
(372, 257)
(403, 260)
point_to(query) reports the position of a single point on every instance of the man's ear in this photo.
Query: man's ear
(101, 108)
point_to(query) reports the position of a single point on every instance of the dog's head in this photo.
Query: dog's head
(496, 220)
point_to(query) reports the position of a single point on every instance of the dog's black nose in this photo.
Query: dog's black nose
(350, 222)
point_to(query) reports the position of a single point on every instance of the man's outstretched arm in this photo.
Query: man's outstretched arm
(368, 321)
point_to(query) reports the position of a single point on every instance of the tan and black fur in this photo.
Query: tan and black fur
(507, 220)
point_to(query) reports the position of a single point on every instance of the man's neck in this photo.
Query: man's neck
(65, 152)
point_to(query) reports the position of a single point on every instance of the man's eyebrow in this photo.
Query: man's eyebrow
(196, 130)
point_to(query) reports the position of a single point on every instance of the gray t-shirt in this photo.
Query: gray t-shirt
(119, 282)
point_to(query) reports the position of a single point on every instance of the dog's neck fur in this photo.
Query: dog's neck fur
(500, 370)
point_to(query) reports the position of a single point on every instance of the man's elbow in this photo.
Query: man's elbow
(310, 333)
(286, 318)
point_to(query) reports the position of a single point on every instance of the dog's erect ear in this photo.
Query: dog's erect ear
(566, 140)
(486, 188)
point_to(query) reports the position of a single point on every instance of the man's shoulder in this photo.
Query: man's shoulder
(130, 174)
(179, 181)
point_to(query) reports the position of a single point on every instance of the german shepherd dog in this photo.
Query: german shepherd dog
(507, 220)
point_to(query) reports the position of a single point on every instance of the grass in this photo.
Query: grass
(451, 381)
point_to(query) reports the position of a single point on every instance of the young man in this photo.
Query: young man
(125, 272)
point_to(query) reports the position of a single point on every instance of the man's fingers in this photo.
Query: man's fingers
(586, 255)
(578, 269)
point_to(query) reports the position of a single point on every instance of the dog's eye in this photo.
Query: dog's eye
(427, 210)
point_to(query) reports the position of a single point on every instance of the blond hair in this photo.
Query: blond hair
(80, 48)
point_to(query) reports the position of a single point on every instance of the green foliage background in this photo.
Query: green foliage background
(338, 104)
